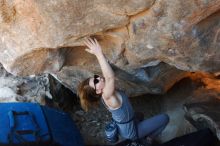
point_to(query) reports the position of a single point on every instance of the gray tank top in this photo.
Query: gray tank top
(122, 115)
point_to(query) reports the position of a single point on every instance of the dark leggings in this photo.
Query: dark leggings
(152, 127)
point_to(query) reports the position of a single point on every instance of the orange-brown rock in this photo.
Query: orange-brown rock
(45, 36)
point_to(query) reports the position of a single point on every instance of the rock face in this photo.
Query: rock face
(45, 36)
(30, 28)
(24, 89)
(202, 107)
(203, 110)
(154, 79)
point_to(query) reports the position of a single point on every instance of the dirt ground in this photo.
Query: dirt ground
(92, 123)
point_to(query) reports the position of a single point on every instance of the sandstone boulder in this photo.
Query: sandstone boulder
(45, 36)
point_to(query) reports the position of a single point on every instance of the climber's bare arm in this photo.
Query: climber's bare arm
(108, 94)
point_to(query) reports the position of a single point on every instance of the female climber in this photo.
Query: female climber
(98, 87)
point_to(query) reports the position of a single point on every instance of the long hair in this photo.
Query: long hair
(87, 95)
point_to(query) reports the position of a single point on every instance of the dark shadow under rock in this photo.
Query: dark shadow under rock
(203, 110)
(63, 97)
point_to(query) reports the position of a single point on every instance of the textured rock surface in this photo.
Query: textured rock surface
(181, 33)
(30, 25)
(202, 107)
(203, 110)
(23, 89)
(44, 36)
(154, 79)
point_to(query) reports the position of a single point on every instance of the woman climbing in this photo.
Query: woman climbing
(102, 87)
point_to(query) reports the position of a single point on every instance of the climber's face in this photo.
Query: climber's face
(98, 83)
